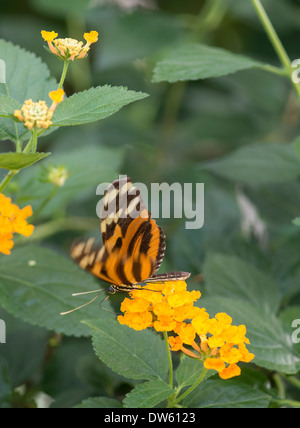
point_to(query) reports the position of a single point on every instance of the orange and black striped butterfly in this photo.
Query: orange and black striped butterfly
(133, 244)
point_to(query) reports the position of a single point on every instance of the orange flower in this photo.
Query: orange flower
(69, 49)
(12, 220)
(170, 307)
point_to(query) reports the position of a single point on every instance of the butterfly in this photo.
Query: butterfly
(133, 244)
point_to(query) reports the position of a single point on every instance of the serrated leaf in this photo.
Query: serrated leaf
(99, 403)
(36, 284)
(193, 61)
(26, 77)
(257, 164)
(269, 342)
(226, 394)
(93, 104)
(17, 161)
(130, 353)
(148, 394)
(8, 105)
(232, 277)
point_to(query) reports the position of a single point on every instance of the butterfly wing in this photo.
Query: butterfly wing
(133, 244)
(127, 226)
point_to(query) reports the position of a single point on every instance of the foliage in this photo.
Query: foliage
(187, 92)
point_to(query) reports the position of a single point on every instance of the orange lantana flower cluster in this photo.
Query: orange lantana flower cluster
(170, 307)
(12, 220)
(69, 49)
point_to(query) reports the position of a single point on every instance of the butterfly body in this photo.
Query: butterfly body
(133, 244)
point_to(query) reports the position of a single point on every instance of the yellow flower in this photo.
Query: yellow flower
(170, 307)
(57, 96)
(12, 220)
(231, 371)
(91, 37)
(164, 323)
(69, 49)
(38, 114)
(162, 303)
(136, 320)
(49, 36)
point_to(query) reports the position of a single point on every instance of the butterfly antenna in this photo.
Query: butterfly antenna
(107, 310)
(85, 292)
(82, 306)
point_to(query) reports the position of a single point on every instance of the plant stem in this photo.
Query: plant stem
(274, 39)
(7, 179)
(34, 139)
(292, 380)
(63, 75)
(186, 393)
(290, 403)
(169, 359)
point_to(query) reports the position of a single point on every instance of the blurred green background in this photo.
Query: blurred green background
(175, 135)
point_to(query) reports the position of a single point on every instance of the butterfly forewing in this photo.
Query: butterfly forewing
(133, 245)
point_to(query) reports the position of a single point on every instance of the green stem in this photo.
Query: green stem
(7, 179)
(292, 380)
(32, 142)
(187, 392)
(19, 146)
(63, 75)
(290, 403)
(280, 385)
(274, 39)
(34, 139)
(169, 359)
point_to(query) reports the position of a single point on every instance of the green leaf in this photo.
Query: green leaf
(192, 62)
(23, 366)
(257, 164)
(232, 277)
(148, 394)
(130, 353)
(269, 341)
(87, 169)
(93, 104)
(226, 394)
(36, 284)
(189, 371)
(99, 403)
(17, 161)
(26, 77)
(8, 105)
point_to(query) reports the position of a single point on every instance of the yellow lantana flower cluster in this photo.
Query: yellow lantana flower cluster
(170, 307)
(38, 114)
(69, 49)
(12, 220)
